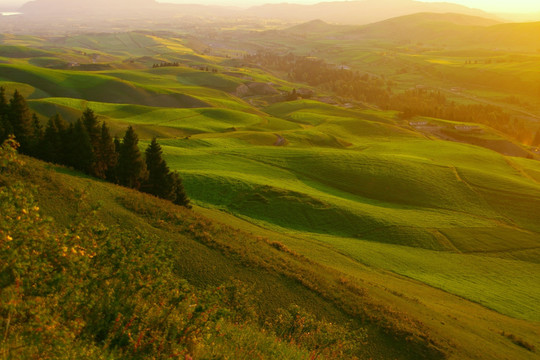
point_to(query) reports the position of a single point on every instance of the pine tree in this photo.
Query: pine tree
(180, 196)
(20, 119)
(159, 182)
(106, 156)
(131, 168)
(37, 131)
(4, 127)
(49, 144)
(79, 152)
(91, 123)
(3, 101)
(53, 145)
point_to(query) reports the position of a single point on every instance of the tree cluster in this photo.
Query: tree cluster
(315, 72)
(87, 145)
(364, 87)
(165, 64)
(431, 103)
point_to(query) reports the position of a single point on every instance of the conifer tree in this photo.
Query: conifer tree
(159, 182)
(37, 137)
(106, 156)
(131, 168)
(53, 145)
(79, 150)
(180, 196)
(5, 126)
(20, 119)
(3, 102)
(49, 144)
(91, 123)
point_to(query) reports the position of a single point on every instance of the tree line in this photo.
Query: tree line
(315, 72)
(87, 145)
(376, 90)
(165, 64)
(431, 103)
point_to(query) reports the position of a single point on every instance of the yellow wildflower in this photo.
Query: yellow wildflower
(9, 238)
(24, 211)
(35, 208)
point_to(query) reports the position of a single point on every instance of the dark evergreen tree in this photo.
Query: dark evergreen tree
(37, 137)
(53, 145)
(79, 152)
(131, 168)
(20, 119)
(5, 126)
(3, 102)
(49, 144)
(105, 154)
(91, 123)
(159, 183)
(180, 196)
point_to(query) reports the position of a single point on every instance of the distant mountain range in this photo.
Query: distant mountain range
(455, 30)
(120, 9)
(358, 12)
(341, 12)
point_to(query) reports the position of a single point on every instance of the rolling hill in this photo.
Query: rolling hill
(351, 211)
(453, 30)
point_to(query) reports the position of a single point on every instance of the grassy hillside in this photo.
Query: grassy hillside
(152, 239)
(424, 232)
(127, 246)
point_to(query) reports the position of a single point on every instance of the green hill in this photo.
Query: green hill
(126, 246)
(424, 232)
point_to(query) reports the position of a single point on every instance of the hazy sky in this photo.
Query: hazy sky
(515, 6)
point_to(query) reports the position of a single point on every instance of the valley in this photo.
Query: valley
(356, 203)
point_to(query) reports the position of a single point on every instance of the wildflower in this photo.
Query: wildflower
(35, 208)
(9, 238)
(24, 211)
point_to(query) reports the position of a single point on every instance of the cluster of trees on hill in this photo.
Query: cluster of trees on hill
(315, 72)
(165, 64)
(426, 102)
(88, 146)
(375, 90)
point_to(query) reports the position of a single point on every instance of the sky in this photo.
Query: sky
(514, 6)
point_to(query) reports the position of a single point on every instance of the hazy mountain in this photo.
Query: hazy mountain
(455, 30)
(421, 27)
(358, 12)
(118, 8)
(316, 27)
